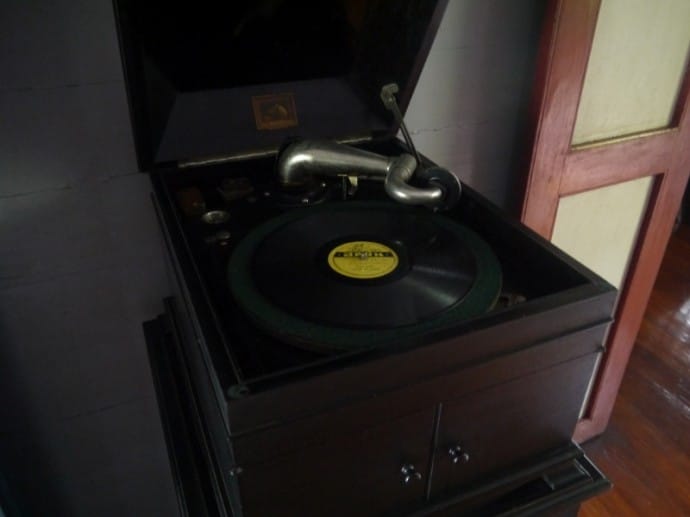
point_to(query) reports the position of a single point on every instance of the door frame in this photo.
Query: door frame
(558, 169)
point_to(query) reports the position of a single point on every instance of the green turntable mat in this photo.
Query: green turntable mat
(353, 275)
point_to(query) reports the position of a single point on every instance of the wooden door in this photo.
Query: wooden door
(610, 154)
(357, 474)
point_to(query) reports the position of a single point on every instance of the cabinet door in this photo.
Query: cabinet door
(504, 425)
(358, 474)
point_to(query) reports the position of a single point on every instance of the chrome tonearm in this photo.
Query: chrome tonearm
(307, 158)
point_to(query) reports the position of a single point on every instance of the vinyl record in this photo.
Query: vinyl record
(352, 275)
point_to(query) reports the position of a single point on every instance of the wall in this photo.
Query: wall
(79, 272)
(468, 109)
(80, 263)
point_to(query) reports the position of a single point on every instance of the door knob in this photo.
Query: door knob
(409, 473)
(458, 455)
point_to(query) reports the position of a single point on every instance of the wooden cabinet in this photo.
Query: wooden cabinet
(466, 439)
(474, 423)
(459, 440)
(332, 438)
(515, 434)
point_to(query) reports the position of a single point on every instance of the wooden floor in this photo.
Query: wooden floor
(646, 449)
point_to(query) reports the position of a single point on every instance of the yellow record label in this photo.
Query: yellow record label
(362, 259)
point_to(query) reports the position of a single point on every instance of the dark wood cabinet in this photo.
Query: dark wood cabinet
(478, 434)
(515, 433)
(503, 393)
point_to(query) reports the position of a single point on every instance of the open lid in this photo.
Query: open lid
(216, 80)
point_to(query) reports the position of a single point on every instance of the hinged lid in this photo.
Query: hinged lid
(214, 80)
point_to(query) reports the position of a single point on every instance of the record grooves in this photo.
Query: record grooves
(353, 275)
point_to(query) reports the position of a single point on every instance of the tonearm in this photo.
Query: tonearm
(438, 188)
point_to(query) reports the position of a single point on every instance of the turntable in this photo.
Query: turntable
(350, 330)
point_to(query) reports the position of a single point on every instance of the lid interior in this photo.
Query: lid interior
(220, 79)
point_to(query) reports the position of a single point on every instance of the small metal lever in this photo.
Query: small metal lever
(388, 92)
(457, 454)
(410, 473)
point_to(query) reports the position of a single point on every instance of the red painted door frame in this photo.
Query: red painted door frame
(558, 169)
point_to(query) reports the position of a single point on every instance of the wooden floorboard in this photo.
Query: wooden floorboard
(646, 449)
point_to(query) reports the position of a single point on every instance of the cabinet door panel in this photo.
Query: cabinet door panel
(503, 425)
(356, 475)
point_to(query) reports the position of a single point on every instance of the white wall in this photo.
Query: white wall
(467, 110)
(80, 269)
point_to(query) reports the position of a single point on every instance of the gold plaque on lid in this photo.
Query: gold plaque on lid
(275, 111)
